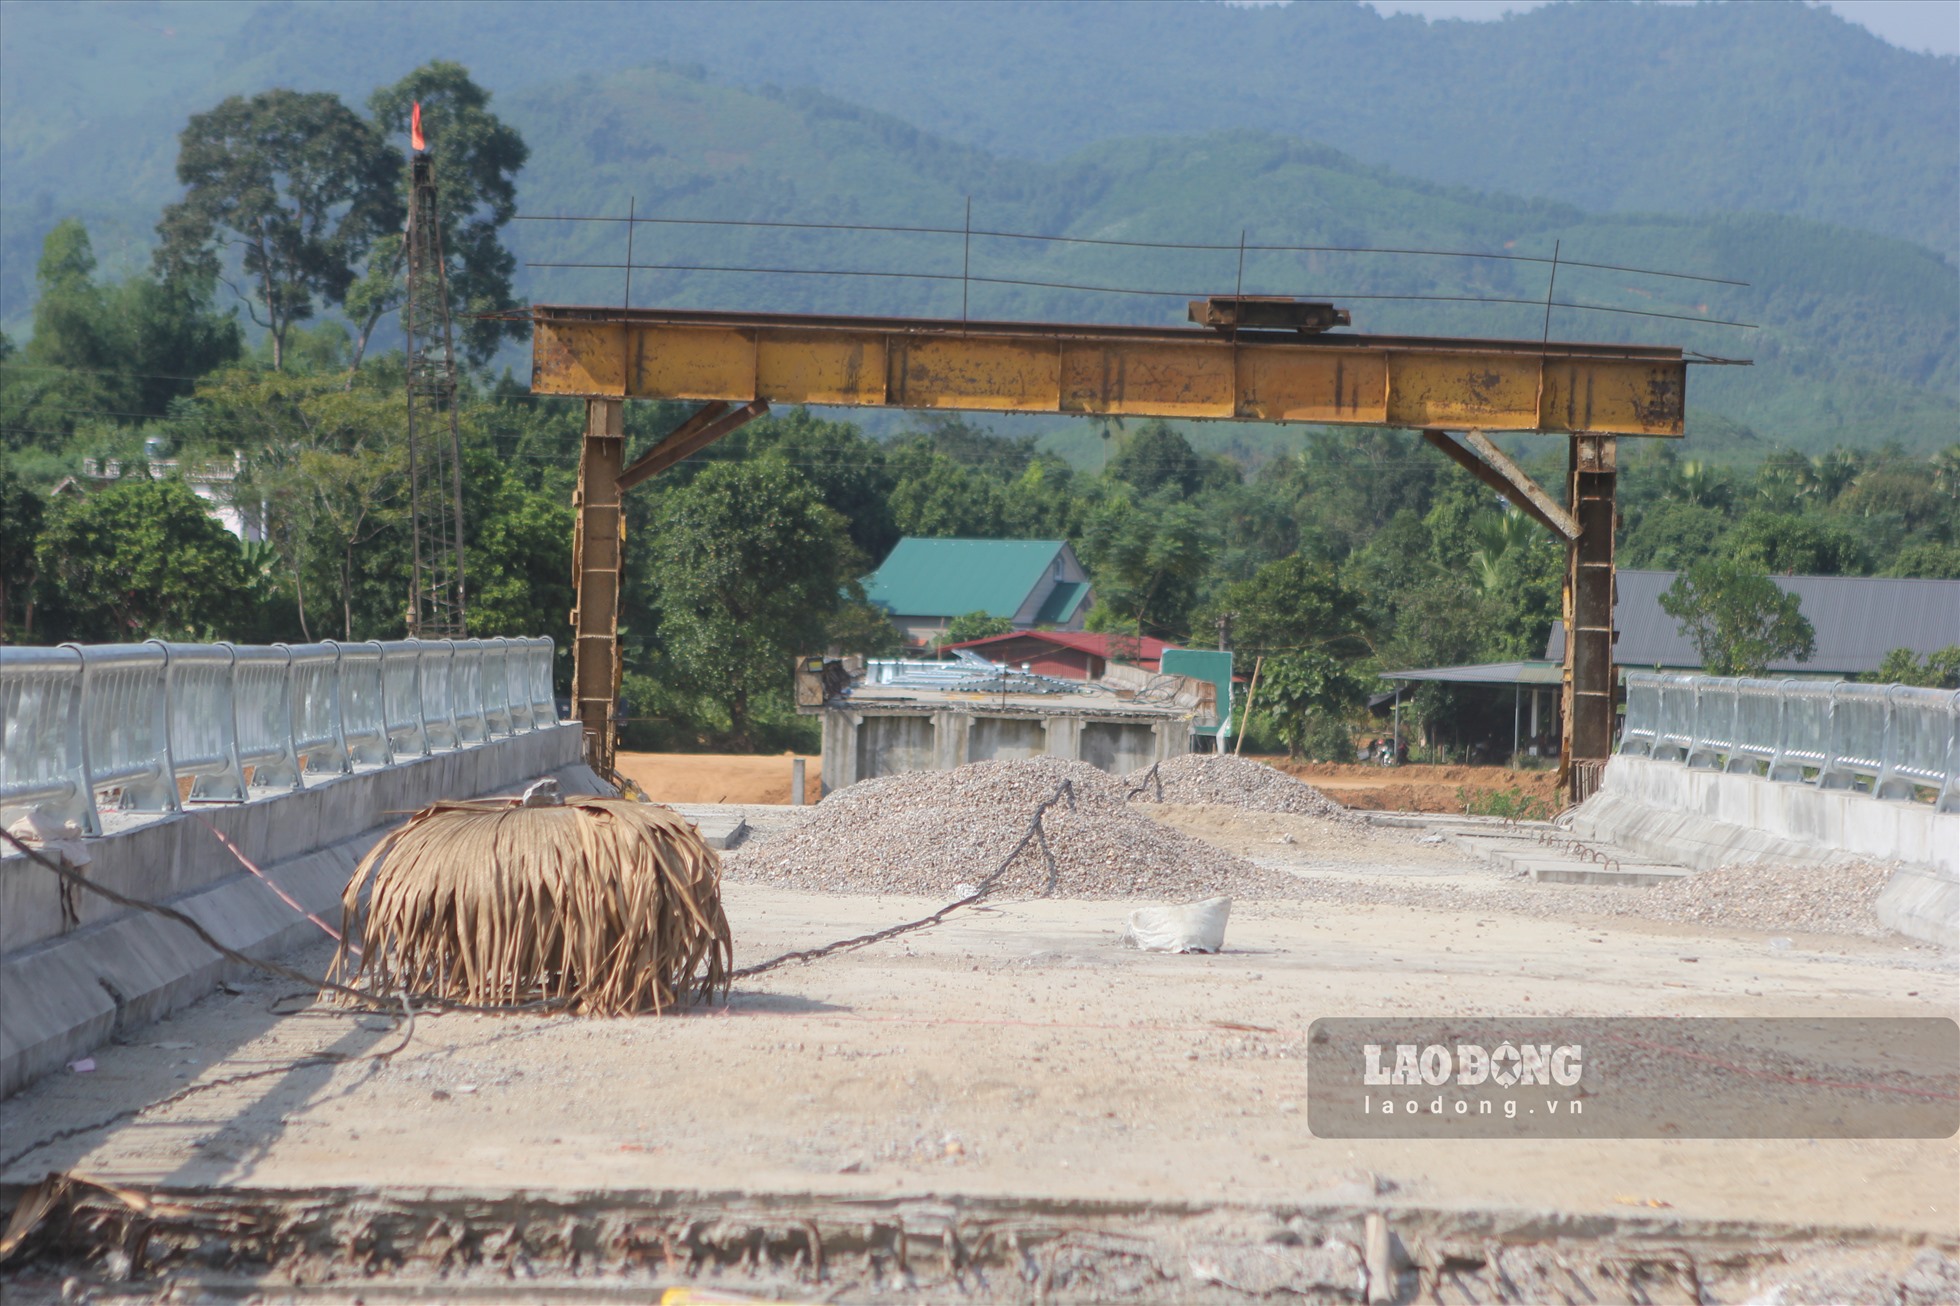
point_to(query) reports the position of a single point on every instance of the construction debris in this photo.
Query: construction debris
(929, 832)
(1217, 779)
(602, 905)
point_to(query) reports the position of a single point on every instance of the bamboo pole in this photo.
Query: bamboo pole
(1251, 690)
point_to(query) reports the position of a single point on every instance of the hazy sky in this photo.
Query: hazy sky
(1911, 24)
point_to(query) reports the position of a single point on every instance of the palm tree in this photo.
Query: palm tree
(1831, 474)
(1497, 534)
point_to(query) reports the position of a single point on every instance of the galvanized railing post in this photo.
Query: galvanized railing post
(137, 719)
(1949, 796)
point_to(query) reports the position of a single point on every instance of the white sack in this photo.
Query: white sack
(1193, 927)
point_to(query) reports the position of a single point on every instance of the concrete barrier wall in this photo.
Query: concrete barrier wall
(74, 968)
(1706, 818)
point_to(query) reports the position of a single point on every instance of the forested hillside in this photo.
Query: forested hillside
(1780, 108)
(1858, 332)
(1857, 339)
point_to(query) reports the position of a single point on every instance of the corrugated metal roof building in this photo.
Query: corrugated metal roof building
(1858, 619)
(924, 584)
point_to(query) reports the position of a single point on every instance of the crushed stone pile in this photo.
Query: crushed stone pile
(1832, 899)
(932, 832)
(1223, 780)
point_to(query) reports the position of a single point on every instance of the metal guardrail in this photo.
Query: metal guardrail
(1892, 741)
(82, 722)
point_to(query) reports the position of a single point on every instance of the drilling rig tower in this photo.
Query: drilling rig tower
(435, 465)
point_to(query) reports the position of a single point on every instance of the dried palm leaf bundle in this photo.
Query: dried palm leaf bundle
(607, 906)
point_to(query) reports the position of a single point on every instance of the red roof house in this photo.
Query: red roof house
(1068, 654)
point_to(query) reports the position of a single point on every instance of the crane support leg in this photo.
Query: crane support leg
(598, 544)
(1589, 675)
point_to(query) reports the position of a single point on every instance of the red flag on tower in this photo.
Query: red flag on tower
(415, 128)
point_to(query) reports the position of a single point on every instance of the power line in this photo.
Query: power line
(1129, 290)
(1187, 246)
(97, 371)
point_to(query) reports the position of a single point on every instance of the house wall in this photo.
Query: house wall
(919, 632)
(860, 745)
(1065, 568)
(1005, 739)
(1117, 747)
(1045, 659)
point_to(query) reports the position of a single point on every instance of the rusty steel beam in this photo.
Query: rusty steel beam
(1590, 679)
(1267, 376)
(684, 444)
(1508, 479)
(699, 418)
(598, 548)
(1550, 509)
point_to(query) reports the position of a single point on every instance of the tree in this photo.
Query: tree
(519, 551)
(1830, 474)
(1671, 535)
(1699, 483)
(746, 559)
(1157, 457)
(1939, 669)
(848, 471)
(1148, 558)
(1497, 535)
(123, 351)
(477, 158)
(1786, 544)
(973, 625)
(1308, 696)
(142, 559)
(1739, 619)
(859, 626)
(298, 183)
(20, 525)
(1294, 604)
(938, 498)
(328, 463)
(1927, 561)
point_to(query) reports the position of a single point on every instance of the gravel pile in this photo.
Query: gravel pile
(931, 832)
(1770, 899)
(1798, 899)
(1224, 780)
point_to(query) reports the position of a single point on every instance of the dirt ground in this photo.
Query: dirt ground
(1417, 788)
(1016, 1049)
(736, 778)
(718, 777)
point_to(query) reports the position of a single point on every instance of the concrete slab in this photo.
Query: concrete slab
(718, 829)
(1576, 871)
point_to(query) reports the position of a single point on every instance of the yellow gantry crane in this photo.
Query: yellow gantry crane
(1246, 358)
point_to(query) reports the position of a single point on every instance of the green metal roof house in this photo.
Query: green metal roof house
(924, 584)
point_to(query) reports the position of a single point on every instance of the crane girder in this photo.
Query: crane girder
(1413, 382)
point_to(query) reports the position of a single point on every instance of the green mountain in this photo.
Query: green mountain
(1857, 341)
(1712, 108)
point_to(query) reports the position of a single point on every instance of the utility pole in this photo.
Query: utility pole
(1225, 631)
(435, 453)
